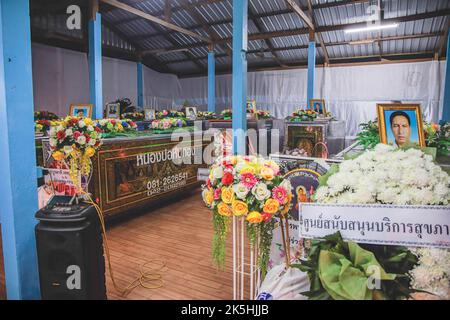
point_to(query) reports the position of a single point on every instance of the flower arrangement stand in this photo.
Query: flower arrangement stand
(246, 273)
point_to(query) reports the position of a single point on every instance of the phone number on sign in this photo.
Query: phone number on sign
(165, 184)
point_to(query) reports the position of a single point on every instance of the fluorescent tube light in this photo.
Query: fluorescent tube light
(372, 28)
(368, 41)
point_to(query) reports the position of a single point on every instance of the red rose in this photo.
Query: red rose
(87, 137)
(113, 122)
(208, 183)
(61, 135)
(227, 178)
(132, 123)
(97, 129)
(266, 216)
(76, 134)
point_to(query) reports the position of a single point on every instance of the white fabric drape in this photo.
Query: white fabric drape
(61, 77)
(351, 93)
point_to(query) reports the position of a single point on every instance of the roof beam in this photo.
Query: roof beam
(302, 31)
(154, 19)
(329, 44)
(301, 13)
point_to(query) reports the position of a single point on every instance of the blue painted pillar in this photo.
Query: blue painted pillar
(95, 65)
(446, 105)
(239, 85)
(18, 188)
(211, 82)
(140, 85)
(311, 71)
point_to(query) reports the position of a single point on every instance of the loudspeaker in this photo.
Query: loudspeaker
(70, 252)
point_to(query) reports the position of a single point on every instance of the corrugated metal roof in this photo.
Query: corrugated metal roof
(271, 16)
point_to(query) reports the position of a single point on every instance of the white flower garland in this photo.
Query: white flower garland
(393, 176)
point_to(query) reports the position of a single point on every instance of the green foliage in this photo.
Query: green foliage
(393, 259)
(221, 229)
(369, 136)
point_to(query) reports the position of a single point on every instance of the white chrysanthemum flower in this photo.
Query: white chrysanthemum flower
(394, 176)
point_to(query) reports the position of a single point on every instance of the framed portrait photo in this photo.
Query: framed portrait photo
(318, 105)
(150, 114)
(401, 125)
(191, 113)
(81, 110)
(113, 110)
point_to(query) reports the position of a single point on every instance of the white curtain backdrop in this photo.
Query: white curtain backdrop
(61, 77)
(351, 93)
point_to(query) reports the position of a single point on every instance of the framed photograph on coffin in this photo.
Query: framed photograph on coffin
(150, 114)
(113, 110)
(318, 105)
(81, 110)
(191, 113)
(308, 137)
(401, 125)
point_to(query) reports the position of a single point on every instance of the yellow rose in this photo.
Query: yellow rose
(224, 209)
(58, 155)
(287, 206)
(88, 121)
(233, 160)
(208, 196)
(240, 208)
(90, 151)
(247, 169)
(271, 206)
(227, 195)
(119, 127)
(267, 173)
(254, 217)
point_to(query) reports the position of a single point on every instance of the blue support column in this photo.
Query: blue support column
(18, 188)
(95, 65)
(446, 103)
(311, 71)
(239, 85)
(211, 82)
(140, 85)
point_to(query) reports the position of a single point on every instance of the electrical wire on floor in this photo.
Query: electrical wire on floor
(150, 272)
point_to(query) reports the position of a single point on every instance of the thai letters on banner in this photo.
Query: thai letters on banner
(415, 226)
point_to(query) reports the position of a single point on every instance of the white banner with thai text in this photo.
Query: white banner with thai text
(414, 226)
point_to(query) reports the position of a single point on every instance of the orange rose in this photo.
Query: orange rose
(267, 173)
(254, 217)
(240, 208)
(224, 209)
(271, 206)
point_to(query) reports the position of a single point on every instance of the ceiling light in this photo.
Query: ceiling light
(368, 41)
(372, 28)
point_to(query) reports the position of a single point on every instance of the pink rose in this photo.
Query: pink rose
(217, 193)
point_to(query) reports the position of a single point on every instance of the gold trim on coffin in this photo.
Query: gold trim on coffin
(146, 147)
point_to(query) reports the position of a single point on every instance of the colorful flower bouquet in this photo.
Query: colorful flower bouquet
(227, 114)
(75, 140)
(114, 127)
(42, 126)
(248, 187)
(45, 115)
(206, 115)
(167, 125)
(135, 116)
(169, 114)
(436, 136)
(263, 114)
(387, 175)
(304, 115)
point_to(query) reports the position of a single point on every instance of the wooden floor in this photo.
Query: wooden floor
(179, 233)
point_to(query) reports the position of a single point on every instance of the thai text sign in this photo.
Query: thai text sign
(416, 226)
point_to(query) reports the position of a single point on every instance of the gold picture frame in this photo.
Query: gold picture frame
(313, 105)
(76, 109)
(409, 118)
